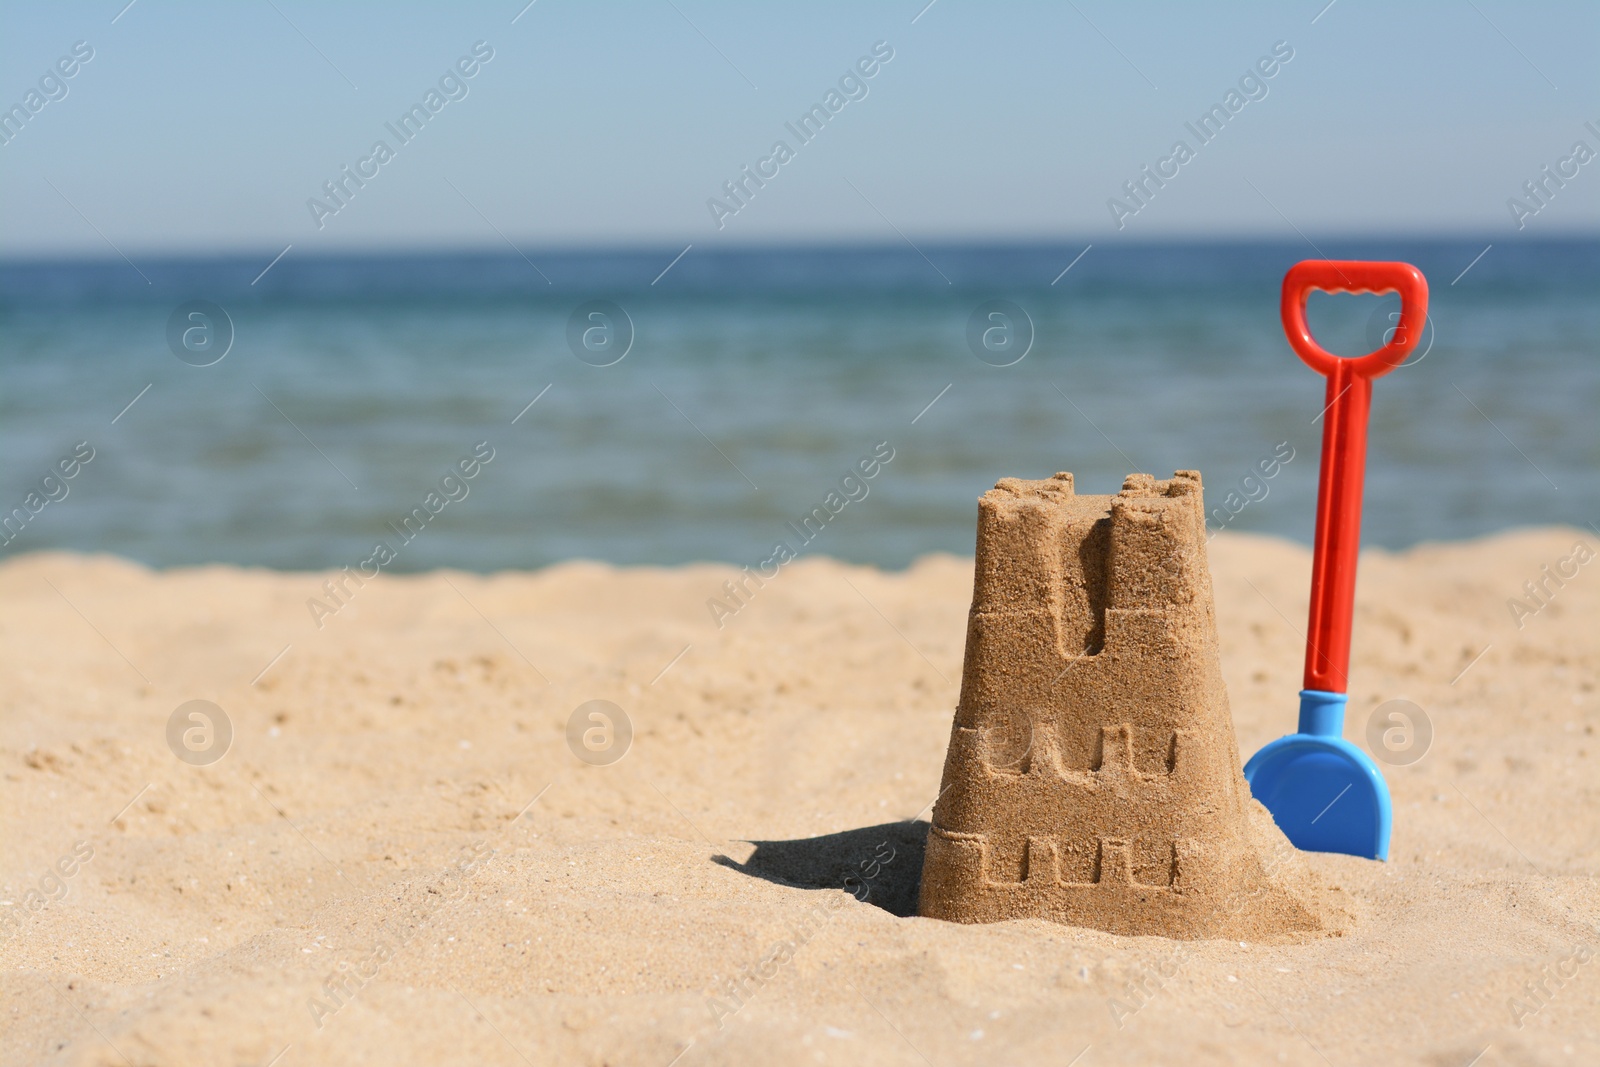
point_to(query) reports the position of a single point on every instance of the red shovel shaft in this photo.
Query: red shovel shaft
(1344, 444)
(1338, 540)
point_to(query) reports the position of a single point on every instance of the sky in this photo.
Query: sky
(212, 128)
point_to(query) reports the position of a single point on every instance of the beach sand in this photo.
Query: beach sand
(367, 877)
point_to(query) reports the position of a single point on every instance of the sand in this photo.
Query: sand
(362, 878)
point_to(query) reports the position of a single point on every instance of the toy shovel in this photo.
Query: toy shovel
(1325, 794)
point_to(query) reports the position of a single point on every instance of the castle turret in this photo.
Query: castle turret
(1092, 776)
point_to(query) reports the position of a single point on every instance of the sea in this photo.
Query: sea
(661, 405)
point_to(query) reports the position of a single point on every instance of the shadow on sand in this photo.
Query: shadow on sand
(880, 865)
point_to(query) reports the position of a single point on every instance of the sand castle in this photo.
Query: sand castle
(1092, 776)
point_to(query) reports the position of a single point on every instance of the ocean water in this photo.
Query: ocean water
(755, 381)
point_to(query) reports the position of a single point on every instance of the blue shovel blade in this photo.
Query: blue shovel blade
(1325, 794)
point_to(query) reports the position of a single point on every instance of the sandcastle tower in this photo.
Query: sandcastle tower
(1092, 776)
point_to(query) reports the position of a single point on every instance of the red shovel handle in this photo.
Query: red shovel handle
(1344, 443)
(1354, 276)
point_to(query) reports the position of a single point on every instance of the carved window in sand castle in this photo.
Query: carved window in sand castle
(1020, 744)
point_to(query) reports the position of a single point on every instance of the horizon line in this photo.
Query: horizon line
(794, 245)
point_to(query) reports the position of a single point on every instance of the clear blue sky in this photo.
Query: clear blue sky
(204, 127)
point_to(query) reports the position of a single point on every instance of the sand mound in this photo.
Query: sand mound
(1092, 776)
